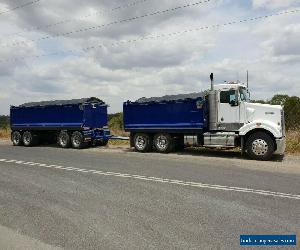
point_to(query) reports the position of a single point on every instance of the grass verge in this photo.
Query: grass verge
(4, 133)
(293, 142)
(118, 133)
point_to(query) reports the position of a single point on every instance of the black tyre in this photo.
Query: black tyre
(77, 140)
(142, 142)
(16, 138)
(260, 146)
(29, 139)
(164, 143)
(64, 140)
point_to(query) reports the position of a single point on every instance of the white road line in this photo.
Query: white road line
(160, 180)
(69, 169)
(34, 164)
(28, 163)
(82, 170)
(9, 161)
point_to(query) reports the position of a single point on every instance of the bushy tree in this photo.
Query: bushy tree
(4, 122)
(279, 99)
(292, 112)
(291, 109)
(115, 121)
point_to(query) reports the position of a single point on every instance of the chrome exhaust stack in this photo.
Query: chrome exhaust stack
(213, 107)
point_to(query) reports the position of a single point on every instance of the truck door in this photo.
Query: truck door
(229, 110)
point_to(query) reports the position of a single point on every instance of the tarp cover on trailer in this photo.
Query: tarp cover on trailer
(58, 115)
(169, 98)
(63, 102)
(185, 112)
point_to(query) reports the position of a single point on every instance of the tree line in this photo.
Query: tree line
(4, 122)
(291, 109)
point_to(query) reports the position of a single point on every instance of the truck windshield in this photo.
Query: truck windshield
(244, 95)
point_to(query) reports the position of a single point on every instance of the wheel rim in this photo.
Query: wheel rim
(27, 139)
(162, 142)
(260, 147)
(63, 140)
(16, 139)
(140, 142)
(77, 140)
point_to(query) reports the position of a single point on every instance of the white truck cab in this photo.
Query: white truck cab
(234, 121)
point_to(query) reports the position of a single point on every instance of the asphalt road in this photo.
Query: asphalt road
(52, 198)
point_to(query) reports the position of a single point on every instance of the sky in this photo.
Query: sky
(119, 50)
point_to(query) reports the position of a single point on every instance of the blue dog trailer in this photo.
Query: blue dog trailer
(75, 123)
(163, 122)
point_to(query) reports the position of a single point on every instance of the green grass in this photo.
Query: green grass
(293, 142)
(118, 132)
(4, 133)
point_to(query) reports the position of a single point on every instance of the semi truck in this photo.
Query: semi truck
(222, 117)
(76, 123)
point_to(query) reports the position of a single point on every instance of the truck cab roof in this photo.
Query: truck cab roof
(229, 85)
(81, 101)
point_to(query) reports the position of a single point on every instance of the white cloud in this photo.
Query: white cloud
(274, 4)
(180, 64)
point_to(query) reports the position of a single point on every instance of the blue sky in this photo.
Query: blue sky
(179, 64)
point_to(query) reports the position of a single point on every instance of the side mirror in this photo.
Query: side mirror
(234, 103)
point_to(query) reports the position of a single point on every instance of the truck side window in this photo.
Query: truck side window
(228, 96)
(244, 95)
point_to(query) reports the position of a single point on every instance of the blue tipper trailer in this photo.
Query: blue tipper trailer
(161, 123)
(76, 123)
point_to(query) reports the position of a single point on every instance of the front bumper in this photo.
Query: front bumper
(281, 144)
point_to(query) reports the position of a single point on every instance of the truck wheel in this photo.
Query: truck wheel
(63, 139)
(260, 146)
(28, 139)
(164, 143)
(16, 138)
(77, 140)
(142, 142)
